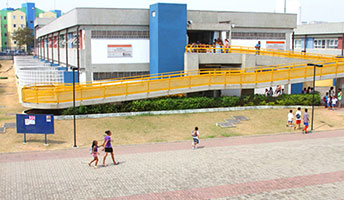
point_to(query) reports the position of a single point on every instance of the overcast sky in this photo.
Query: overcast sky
(312, 10)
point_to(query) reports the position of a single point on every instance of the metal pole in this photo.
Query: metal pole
(313, 96)
(293, 41)
(66, 46)
(74, 146)
(58, 48)
(78, 51)
(285, 6)
(343, 45)
(305, 44)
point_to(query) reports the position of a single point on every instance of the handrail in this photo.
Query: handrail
(62, 93)
(191, 48)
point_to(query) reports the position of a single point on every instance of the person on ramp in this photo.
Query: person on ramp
(108, 148)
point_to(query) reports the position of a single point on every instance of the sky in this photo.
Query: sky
(312, 10)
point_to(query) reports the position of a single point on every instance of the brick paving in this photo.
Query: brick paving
(287, 166)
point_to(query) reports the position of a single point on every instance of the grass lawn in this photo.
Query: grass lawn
(163, 128)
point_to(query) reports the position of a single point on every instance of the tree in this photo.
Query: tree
(23, 36)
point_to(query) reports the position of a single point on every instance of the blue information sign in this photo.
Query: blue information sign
(35, 124)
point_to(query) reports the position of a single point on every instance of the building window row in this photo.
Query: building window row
(114, 75)
(258, 35)
(319, 44)
(326, 43)
(120, 34)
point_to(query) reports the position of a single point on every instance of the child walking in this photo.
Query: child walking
(94, 153)
(298, 118)
(290, 118)
(334, 102)
(195, 137)
(305, 121)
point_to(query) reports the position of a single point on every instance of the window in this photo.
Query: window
(5, 26)
(5, 34)
(298, 44)
(120, 34)
(326, 43)
(257, 35)
(332, 44)
(5, 17)
(21, 17)
(14, 25)
(5, 43)
(14, 17)
(31, 22)
(116, 75)
(14, 42)
(22, 25)
(319, 44)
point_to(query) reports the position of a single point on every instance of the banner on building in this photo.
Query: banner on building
(280, 45)
(119, 51)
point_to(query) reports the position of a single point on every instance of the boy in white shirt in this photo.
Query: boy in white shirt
(298, 118)
(290, 118)
(334, 102)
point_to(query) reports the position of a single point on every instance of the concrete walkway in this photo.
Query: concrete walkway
(289, 166)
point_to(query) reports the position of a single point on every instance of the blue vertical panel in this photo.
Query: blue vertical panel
(296, 88)
(167, 26)
(303, 43)
(68, 77)
(334, 82)
(310, 43)
(58, 13)
(30, 14)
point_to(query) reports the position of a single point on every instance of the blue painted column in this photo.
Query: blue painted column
(30, 14)
(167, 26)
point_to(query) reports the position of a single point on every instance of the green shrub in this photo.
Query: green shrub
(178, 103)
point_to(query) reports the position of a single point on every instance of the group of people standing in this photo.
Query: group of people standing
(331, 99)
(298, 116)
(278, 91)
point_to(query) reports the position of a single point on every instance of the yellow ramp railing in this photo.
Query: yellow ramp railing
(251, 50)
(62, 93)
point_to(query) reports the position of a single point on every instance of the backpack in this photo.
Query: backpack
(298, 116)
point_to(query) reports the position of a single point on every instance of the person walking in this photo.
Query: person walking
(325, 99)
(290, 119)
(258, 45)
(339, 96)
(226, 46)
(195, 138)
(108, 148)
(94, 153)
(298, 118)
(305, 121)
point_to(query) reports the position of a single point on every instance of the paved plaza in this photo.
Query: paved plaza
(286, 166)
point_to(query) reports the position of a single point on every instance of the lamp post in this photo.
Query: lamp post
(74, 121)
(314, 73)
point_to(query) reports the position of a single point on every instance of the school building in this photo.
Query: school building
(104, 43)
